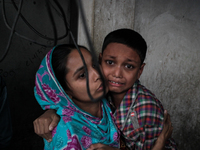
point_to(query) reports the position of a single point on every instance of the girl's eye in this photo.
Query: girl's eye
(94, 66)
(82, 75)
(110, 62)
(129, 66)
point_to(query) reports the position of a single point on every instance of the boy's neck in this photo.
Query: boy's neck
(117, 98)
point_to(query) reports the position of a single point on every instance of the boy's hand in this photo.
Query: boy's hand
(165, 134)
(44, 124)
(100, 146)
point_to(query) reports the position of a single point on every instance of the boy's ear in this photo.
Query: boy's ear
(100, 58)
(141, 70)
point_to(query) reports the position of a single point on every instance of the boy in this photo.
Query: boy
(138, 113)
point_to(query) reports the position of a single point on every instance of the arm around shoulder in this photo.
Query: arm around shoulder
(44, 124)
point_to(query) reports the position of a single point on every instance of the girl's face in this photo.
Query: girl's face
(121, 66)
(76, 77)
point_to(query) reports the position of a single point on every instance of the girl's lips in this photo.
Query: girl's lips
(100, 88)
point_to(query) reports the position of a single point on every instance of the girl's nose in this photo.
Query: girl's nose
(95, 74)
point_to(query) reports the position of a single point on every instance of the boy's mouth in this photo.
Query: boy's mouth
(115, 83)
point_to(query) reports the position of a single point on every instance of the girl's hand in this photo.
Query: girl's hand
(44, 124)
(168, 128)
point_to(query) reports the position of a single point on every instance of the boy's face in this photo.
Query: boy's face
(121, 66)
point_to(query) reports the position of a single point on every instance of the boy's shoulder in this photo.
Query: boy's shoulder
(141, 89)
(144, 91)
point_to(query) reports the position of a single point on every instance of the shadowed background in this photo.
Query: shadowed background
(171, 29)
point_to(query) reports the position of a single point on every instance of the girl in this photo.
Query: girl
(61, 84)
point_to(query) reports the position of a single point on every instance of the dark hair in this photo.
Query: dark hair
(59, 60)
(129, 38)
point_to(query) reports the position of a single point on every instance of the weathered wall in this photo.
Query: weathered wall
(172, 31)
(103, 17)
(111, 15)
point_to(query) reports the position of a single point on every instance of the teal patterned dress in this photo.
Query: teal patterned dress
(77, 129)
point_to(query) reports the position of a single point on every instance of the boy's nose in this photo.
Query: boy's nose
(117, 72)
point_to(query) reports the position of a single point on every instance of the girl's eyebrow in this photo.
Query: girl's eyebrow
(77, 70)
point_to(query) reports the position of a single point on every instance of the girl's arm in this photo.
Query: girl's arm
(160, 142)
(44, 124)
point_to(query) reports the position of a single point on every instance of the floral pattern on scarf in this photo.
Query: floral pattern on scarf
(77, 129)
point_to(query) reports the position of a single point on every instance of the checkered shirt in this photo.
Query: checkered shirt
(140, 119)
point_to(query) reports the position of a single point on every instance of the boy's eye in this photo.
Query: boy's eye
(110, 62)
(129, 66)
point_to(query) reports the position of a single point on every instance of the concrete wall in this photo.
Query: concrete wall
(172, 31)
(104, 16)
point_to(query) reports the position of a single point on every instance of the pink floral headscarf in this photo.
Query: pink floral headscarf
(77, 129)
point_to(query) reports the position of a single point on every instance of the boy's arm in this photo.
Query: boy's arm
(44, 124)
